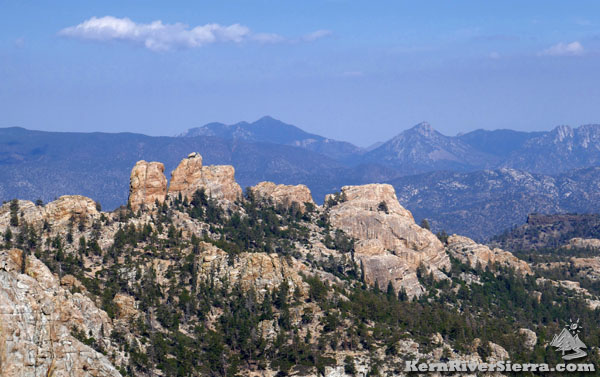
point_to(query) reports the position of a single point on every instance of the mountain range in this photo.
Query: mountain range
(422, 149)
(270, 130)
(450, 180)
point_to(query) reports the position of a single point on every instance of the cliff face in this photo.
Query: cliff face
(148, 185)
(37, 319)
(390, 245)
(217, 180)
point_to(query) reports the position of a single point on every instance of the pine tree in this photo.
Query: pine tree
(8, 238)
(391, 293)
(14, 212)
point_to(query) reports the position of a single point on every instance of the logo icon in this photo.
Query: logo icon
(568, 340)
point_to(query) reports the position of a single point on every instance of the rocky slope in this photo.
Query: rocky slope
(38, 318)
(207, 283)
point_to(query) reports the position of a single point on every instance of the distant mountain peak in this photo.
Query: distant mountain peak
(274, 131)
(424, 129)
(268, 118)
(425, 126)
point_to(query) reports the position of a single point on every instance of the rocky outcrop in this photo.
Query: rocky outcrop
(497, 353)
(61, 212)
(385, 267)
(592, 301)
(587, 267)
(284, 195)
(70, 282)
(148, 185)
(126, 306)
(217, 180)
(37, 318)
(530, 338)
(260, 271)
(583, 243)
(567, 284)
(390, 246)
(470, 252)
(69, 207)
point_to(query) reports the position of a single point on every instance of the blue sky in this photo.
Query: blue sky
(360, 71)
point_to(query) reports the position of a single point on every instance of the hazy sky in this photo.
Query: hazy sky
(360, 71)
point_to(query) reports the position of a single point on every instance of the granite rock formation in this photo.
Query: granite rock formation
(148, 184)
(470, 252)
(218, 181)
(259, 271)
(284, 195)
(64, 210)
(530, 338)
(389, 245)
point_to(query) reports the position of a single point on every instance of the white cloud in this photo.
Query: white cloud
(310, 37)
(158, 36)
(565, 49)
